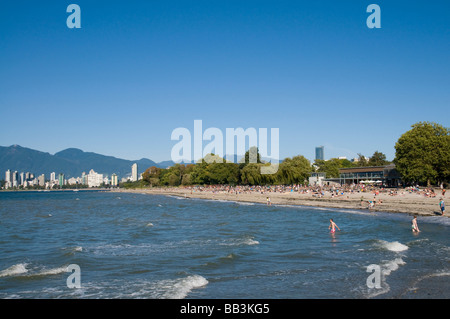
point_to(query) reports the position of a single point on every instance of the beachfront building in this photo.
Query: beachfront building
(94, 179)
(377, 175)
(317, 178)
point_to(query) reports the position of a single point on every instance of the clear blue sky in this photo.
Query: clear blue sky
(137, 70)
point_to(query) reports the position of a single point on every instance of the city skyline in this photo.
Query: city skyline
(14, 179)
(135, 71)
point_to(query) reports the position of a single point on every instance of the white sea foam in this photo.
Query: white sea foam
(22, 270)
(394, 246)
(244, 203)
(72, 250)
(250, 241)
(180, 288)
(241, 241)
(386, 269)
(52, 271)
(14, 270)
(391, 266)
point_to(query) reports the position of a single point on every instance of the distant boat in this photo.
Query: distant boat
(75, 190)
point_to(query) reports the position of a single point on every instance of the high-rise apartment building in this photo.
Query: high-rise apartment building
(41, 180)
(8, 180)
(134, 172)
(61, 180)
(320, 153)
(114, 180)
(94, 179)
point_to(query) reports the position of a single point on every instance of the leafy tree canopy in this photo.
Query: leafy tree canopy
(423, 154)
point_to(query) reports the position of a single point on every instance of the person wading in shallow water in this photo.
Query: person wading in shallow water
(442, 206)
(414, 226)
(333, 226)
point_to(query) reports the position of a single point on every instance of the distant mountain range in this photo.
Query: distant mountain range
(72, 162)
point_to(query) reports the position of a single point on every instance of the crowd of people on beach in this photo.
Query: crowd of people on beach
(324, 191)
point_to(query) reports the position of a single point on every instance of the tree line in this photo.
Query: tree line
(422, 157)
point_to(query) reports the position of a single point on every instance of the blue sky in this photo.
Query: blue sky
(136, 70)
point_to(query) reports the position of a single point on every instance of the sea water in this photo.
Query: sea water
(152, 246)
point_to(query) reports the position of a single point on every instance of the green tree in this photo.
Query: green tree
(152, 175)
(377, 159)
(332, 166)
(251, 174)
(423, 154)
(199, 174)
(293, 170)
(362, 160)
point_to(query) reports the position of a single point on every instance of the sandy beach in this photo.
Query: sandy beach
(403, 201)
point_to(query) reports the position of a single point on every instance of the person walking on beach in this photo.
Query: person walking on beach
(414, 227)
(333, 226)
(442, 206)
(268, 201)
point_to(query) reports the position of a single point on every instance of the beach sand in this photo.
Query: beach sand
(403, 202)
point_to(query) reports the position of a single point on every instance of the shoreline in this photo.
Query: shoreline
(404, 202)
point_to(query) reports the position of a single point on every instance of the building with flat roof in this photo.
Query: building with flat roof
(380, 175)
(134, 172)
(317, 178)
(114, 180)
(8, 179)
(61, 180)
(94, 179)
(320, 153)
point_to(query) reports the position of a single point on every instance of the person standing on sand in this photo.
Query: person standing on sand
(333, 226)
(268, 201)
(414, 226)
(442, 206)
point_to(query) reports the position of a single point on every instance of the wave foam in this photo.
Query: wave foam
(180, 288)
(14, 270)
(52, 271)
(72, 250)
(391, 266)
(21, 270)
(394, 246)
(250, 242)
(386, 270)
(242, 241)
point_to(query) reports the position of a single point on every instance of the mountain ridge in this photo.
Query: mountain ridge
(72, 162)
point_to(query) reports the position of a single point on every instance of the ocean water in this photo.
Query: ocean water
(148, 246)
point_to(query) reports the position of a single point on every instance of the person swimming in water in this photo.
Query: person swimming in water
(333, 226)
